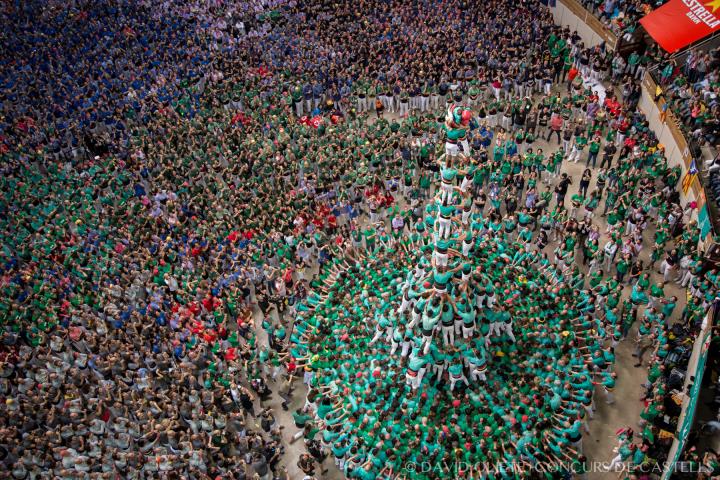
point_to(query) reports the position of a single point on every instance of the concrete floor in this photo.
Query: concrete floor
(598, 445)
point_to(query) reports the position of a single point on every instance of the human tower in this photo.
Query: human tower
(462, 329)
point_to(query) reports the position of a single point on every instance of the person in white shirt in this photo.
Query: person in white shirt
(610, 250)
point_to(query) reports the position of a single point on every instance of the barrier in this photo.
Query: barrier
(697, 363)
(670, 135)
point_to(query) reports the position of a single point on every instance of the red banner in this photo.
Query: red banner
(679, 23)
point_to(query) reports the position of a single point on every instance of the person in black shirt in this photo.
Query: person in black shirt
(519, 116)
(543, 119)
(561, 189)
(635, 271)
(542, 240)
(609, 151)
(480, 201)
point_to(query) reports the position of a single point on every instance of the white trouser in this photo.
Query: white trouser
(451, 149)
(608, 261)
(393, 346)
(666, 270)
(609, 397)
(652, 301)
(427, 341)
(414, 319)
(490, 301)
(444, 227)
(454, 380)
(434, 101)
(467, 331)
(448, 332)
(578, 446)
(403, 108)
(441, 259)
(615, 463)
(630, 228)
(379, 333)
(406, 302)
(376, 337)
(446, 191)
(507, 329)
(413, 381)
(575, 154)
(477, 374)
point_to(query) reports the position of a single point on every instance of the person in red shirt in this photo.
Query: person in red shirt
(572, 74)
(556, 125)
(210, 303)
(332, 223)
(291, 367)
(622, 128)
(388, 200)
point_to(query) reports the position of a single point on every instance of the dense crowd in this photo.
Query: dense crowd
(182, 181)
(692, 93)
(621, 16)
(690, 83)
